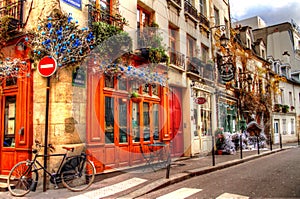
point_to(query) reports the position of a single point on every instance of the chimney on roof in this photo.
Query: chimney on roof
(286, 57)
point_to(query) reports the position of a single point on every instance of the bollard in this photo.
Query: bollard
(168, 162)
(213, 151)
(298, 139)
(280, 140)
(241, 146)
(257, 140)
(168, 166)
(271, 142)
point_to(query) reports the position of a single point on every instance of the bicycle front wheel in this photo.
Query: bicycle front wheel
(20, 179)
(75, 180)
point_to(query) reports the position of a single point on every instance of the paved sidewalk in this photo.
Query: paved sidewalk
(181, 169)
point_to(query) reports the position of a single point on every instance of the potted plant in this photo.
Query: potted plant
(135, 97)
(285, 108)
(277, 107)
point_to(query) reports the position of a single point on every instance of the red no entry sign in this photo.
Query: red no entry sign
(47, 66)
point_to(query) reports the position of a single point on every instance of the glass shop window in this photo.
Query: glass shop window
(150, 89)
(122, 84)
(135, 122)
(109, 120)
(109, 81)
(9, 121)
(155, 123)
(146, 121)
(12, 81)
(123, 112)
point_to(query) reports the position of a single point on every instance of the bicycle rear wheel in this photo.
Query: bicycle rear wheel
(20, 179)
(75, 180)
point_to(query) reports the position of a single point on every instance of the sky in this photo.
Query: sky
(271, 11)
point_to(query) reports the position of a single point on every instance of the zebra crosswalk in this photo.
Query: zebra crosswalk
(110, 190)
(181, 193)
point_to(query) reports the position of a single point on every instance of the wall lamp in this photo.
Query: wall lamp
(224, 40)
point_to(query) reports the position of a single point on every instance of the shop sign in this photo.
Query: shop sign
(227, 71)
(75, 3)
(200, 100)
(79, 77)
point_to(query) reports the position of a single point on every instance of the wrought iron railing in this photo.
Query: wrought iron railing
(15, 11)
(178, 2)
(198, 67)
(177, 58)
(190, 9)
(97, 15)
(203, 20)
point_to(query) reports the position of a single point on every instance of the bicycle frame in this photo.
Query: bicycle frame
(36, 165)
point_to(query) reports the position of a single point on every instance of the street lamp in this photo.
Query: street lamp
(224, 40)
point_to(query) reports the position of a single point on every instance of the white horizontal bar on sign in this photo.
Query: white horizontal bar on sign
(47, 66)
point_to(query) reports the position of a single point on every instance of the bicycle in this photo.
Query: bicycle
(76, 173)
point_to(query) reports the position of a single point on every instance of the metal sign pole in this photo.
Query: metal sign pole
(46, 135)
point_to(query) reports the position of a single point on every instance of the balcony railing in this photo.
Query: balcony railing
(191, 10)
(203, 20)
(198, 67)
(15, 11)
(97, 15)
(177, 59)
(176, 4)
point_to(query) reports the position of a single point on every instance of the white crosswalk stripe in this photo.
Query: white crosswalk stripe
(110, 190)
(180, 193)
(231, 196)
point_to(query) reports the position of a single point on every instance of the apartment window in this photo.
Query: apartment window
(248, 43)
(191, 46)
(202, 5)
(292, 126)
(105, 8)
(204, 53)
(263, 54)
(281, 96)
(284, 126)
(227, 27)
(143, 18)
(291, 98)
(217, 16)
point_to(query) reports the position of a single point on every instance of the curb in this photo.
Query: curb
(161, 183)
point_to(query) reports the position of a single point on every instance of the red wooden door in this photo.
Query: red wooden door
(176, 122)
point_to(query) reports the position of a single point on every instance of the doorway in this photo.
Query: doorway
(176, 122)
(276, 131)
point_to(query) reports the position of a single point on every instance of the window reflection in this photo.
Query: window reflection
(109, 81)
(9, 121)
(123, 107)
(146, 121)
(155, 122)
(135, 122)
(109, 120)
